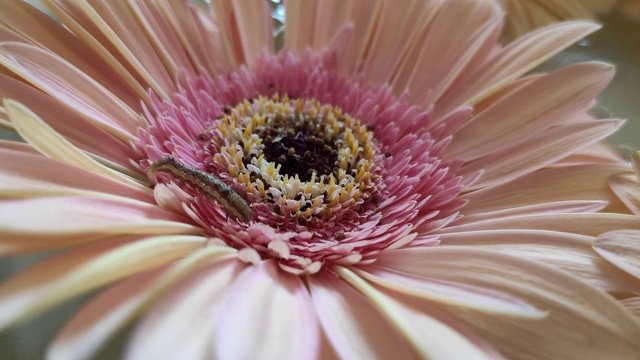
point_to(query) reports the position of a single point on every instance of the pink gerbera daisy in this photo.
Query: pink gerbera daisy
(389, 184)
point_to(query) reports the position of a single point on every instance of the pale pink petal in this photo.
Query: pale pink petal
(70, 86)
(180, 325)
(633, 305)
(621, 248)
(79, 270)
(262, 307)
(626, 186)
(119, 26)
(515, 116)
(584, 224)
(596, 327)
(565, 183)
(537, 151)
(32, 175)
(44, 31)
(68, 123)
(52, 144)
(556, 207)
(96, 322)
(254, 22)
(432, 334)
(512, 62)
(352, 324)
(52, 222)
(565, 251)
(427, 76)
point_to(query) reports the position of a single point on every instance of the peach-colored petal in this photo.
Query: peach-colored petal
(160, 35)
(94, 324)
(432, 334)
(180, 325)
(51, 222)
(254, 22)
(515, 116)
(68, 85)
(633, 305)
(584, 224)
(449, 293)
(595, 327)
(69, 274)
(263, 306)
(565, 251)
(427, 76)
(33, 175)
(626, 186)
(512, 62)
(621, 248)
(546, 186)
(68, 123)
(537, 151)
(352, 324)
(301, 17)
(119, 26)
(52, 144)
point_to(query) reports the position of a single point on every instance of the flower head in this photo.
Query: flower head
(373, 189)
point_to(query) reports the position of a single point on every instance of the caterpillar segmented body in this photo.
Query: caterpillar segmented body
(207, 184)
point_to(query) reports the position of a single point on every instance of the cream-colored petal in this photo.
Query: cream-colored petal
(68, 123)
(515, 116)
(545, 186)
(432, 334)
(79, 270)
(584, 224)
(96, 322)
(512, 62)
(537, 151)
(180, 325)
(626, 186)
(42, 30)
(263, 306)
(25, 174)
(621, 248)
(52, 222)
(119, 26)
(583, 322)
(565, 251)
(352, 324)
(53, 145)
(73, 88)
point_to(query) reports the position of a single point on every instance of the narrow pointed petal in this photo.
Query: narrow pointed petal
(596, 327)
(621, 248)
(180, 325)
(273, 304)
(565, 251)
(79, 270)
(41, 224)
(432, 334)
(52, 144)
(352, 324)
(95, 323)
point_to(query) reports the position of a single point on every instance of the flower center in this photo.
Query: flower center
(299, 160)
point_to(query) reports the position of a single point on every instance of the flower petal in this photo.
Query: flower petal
(52, 144)
(537, 151)
(432, 334)
(626, 186)
(352, 324)
(565, 251)
(180, 325)
(621, 248)
(566, 183)
(93, 325)
(69, 274)
(51, 222)
(254, 28)
(633, 305)
(595, 327)
(263, 306)
(515, 116)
